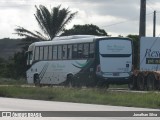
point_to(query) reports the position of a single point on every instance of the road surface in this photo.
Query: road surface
(20, 105)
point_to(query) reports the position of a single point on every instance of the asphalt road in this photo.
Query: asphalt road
(23, 106)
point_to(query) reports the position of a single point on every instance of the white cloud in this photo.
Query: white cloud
(121, 15)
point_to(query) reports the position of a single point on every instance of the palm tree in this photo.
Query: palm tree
(50, 22)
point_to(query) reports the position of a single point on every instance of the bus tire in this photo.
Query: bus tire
(151, 82)
(102, 85)
(141, 82)
(132, 83)
(37, 80)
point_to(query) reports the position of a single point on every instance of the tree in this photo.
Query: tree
(14, 67)
(50, 22)
(135, 39)
(2, 67)
(87, 29)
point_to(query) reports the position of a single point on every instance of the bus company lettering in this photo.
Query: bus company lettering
(152, 54)
(58, 66)
(115, 47)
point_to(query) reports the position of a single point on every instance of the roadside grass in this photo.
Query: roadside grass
(81, 95)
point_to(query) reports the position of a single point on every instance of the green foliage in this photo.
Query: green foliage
(15, 67)
(3, 67)
(85, 30)
(19, 65)
(51, 23)
(135, 39)
(11, 81)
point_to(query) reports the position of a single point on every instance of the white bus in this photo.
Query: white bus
(80, 60)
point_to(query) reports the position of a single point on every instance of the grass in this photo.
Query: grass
(89, 95)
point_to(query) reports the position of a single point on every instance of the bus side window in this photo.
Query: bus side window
(91, 50)
(50, 53)
(41, 53)
(80, 51)
(86, 50)
(74, 52)
(36, 54)
(45, 52)
(54, 52)
(69, 53)
(59, 52)
(64, 52)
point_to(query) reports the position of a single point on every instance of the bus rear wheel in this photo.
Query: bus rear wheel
(69, 81)
(102, 85)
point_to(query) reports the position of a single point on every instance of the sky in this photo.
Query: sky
(116, 17)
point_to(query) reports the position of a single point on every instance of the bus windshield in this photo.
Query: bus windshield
(29, 57)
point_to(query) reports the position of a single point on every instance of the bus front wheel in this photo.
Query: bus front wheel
(36, 80)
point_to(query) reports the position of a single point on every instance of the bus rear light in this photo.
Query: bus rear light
(98, 68)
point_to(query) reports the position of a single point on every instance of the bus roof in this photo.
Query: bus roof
(73, 37)
(68, 40)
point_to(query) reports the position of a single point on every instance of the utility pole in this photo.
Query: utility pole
(154, 23)
(142, 25)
